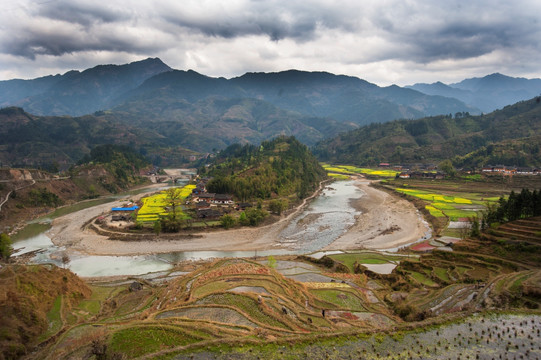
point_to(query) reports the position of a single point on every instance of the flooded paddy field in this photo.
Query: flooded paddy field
(496, 336)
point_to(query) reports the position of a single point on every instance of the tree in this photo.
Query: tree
(447, 167)
(475, 230)
(157, 227)
(277, 206)
(243, 219)
(65, 259)
(5, 246)
(255, 216)
(227, 221)
(271, 262)
(173, 199)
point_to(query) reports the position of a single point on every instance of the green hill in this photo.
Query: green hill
(509, 136)
(279, 167)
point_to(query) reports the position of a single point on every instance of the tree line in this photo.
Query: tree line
(517, 206)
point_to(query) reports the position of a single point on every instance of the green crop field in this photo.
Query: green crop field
(442, 205)
(349, 259)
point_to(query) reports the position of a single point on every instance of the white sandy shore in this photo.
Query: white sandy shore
(381, 212)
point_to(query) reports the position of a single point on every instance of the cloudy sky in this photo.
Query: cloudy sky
(381, 41)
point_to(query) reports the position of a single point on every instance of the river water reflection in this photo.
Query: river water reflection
(323, 221)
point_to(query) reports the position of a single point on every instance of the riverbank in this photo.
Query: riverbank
(69, 231)
(386, 222)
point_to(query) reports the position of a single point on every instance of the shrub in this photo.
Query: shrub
(255, 216)
(227, 221)
(5, 246)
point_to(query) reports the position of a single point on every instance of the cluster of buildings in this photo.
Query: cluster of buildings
(506, 170)
(429, 171)
(421, 175)
(212, 205)
(408, 167)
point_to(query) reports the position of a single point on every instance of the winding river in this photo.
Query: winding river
(319, 224)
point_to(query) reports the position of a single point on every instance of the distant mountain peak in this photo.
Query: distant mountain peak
(487, 93)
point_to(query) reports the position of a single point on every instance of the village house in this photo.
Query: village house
(223, 199)
(124, 212)
(404, 175)
(500, 169)
(208, 197)
(208, 213)
(243, 206)
(202, 205)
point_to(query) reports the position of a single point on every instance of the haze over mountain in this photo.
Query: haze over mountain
(78, 93)
(487, 93)
(321, 94)
(149, 105)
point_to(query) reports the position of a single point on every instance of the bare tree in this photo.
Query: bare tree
(65, 259)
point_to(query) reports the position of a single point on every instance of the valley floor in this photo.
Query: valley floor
(386, 222)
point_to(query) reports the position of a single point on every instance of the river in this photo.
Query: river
(323, 221)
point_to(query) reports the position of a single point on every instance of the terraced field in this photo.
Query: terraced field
(450, 206)
(524, 230)
(290, 308)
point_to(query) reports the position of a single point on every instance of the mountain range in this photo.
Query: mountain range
(488, 93)
(151, 106)
(201, 112)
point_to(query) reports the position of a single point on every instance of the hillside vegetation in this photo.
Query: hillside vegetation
(33, 300)
(280, 167)
(53, 142)
(509, 136)
(108, 169)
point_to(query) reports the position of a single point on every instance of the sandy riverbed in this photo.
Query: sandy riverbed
(387, 222)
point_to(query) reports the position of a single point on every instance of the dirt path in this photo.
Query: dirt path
(387, 221)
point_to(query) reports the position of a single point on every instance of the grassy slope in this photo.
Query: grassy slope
(31, 302)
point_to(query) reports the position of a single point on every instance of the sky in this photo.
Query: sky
(382, 41)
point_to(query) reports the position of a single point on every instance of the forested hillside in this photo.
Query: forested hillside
(280, 167)
(55, 142)
(509, 136)
(107, 169)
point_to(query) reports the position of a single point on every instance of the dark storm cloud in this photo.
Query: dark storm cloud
(84, 14)
(460, 40)
(277, 20)
(325, 33)
(33, 42)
